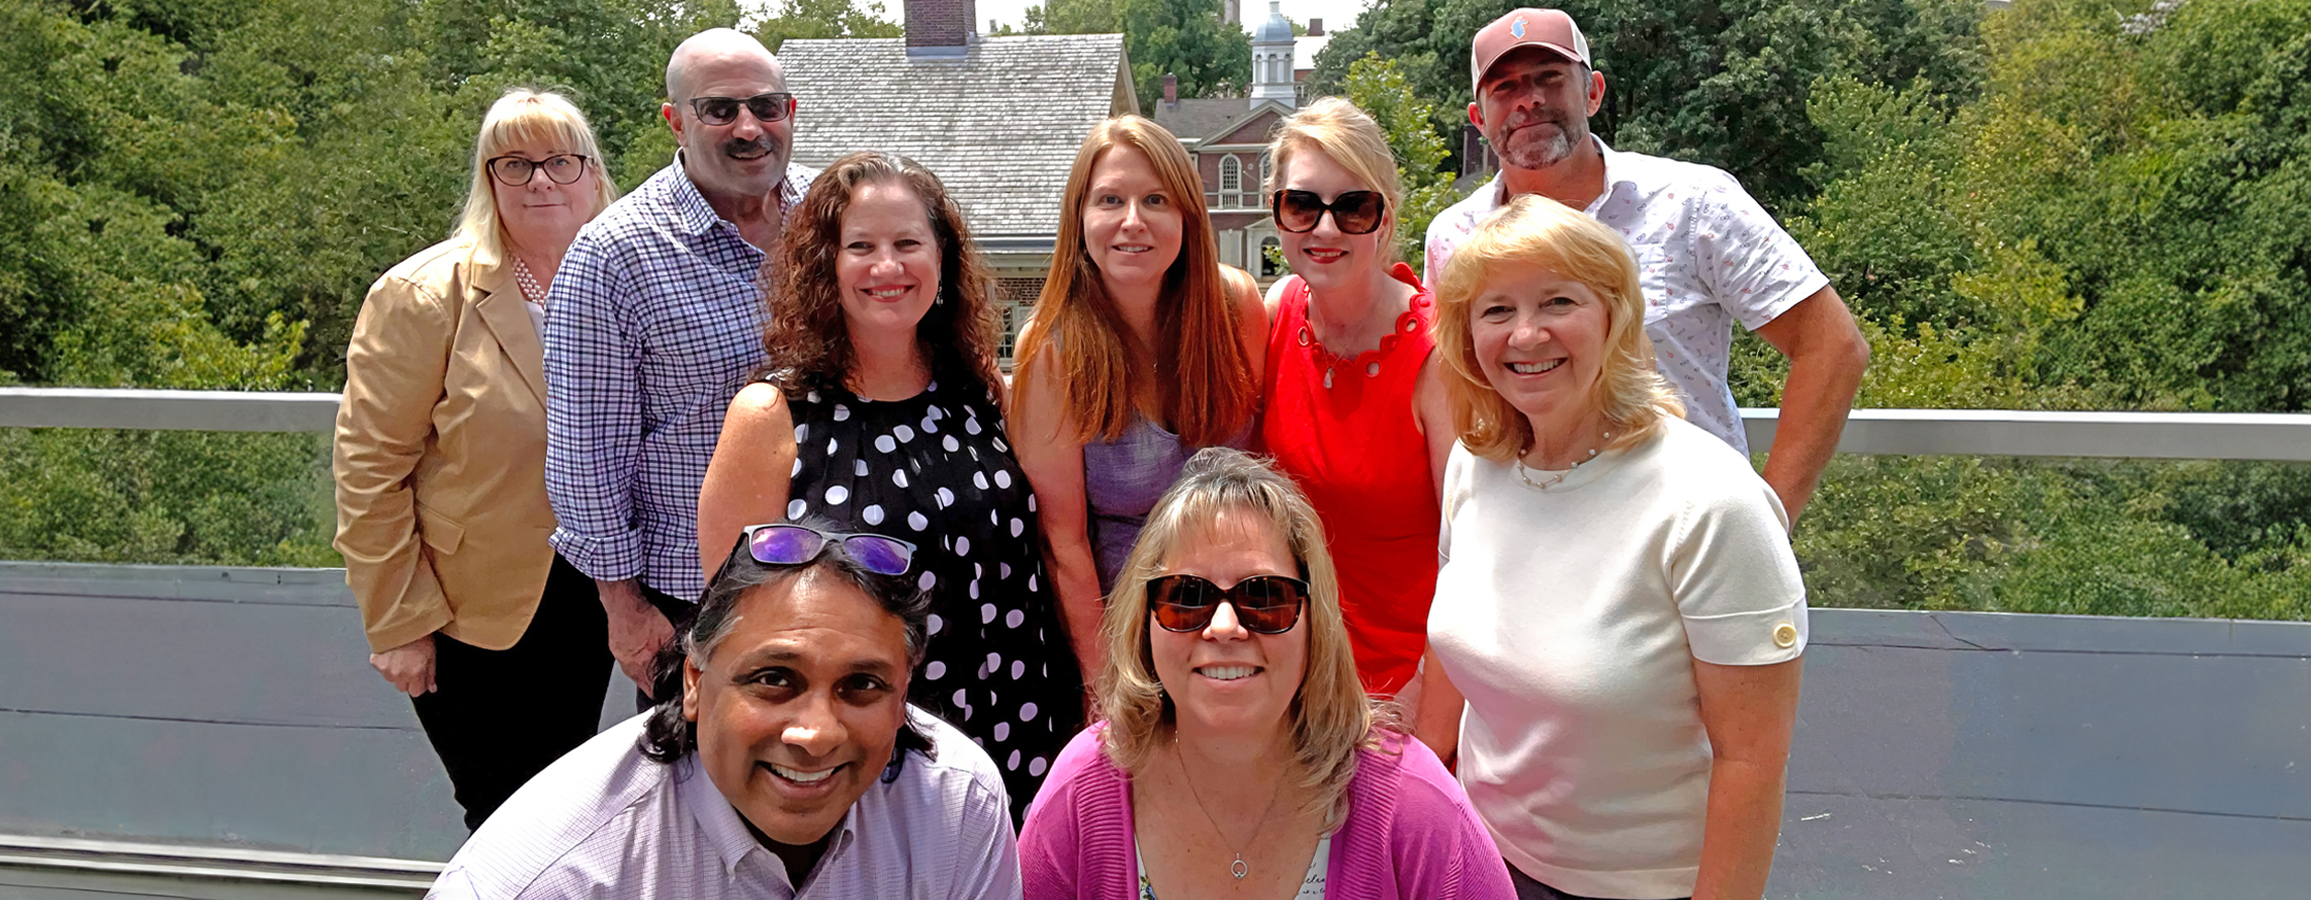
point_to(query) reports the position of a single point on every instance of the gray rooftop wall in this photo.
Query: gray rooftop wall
(1937, 755)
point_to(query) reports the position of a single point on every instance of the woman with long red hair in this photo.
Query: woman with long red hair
(1143, 349)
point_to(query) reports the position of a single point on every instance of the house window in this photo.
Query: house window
(1266, 175)
(1231, 180)
(1015, 297)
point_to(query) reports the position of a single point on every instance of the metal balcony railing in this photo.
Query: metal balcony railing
(2278, 437)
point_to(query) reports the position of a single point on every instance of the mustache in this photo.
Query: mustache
(1558, 117)
(737, 148)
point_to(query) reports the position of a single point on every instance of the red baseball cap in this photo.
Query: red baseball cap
(1549, 29)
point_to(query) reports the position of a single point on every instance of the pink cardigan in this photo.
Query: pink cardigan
(1410, 832)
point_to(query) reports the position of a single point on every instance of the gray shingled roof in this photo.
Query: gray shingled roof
(1197, 119)
(999, 126)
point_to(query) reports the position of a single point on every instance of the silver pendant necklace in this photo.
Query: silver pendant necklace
(1239, 868)
(1556, 478)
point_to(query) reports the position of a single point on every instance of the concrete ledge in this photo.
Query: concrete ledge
(2018, 632)
(23, 407)
(221, 584)
(132, 868)
(2282, 437)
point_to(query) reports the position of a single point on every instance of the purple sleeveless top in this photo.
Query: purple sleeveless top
(1122, 480)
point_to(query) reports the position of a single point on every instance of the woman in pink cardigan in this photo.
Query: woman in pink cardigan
(1240, 756)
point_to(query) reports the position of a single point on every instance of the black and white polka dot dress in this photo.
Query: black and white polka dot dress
(935, 470)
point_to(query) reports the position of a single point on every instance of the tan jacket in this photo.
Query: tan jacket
(441, 454)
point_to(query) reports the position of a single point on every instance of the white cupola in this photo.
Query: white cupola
(1272, 59)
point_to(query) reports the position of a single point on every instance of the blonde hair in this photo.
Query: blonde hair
(1536, 231)
(1076, 327)
(1331, 717)
(525, 116)
(1351, 140)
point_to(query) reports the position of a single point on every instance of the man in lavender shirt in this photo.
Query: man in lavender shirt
(790, 765)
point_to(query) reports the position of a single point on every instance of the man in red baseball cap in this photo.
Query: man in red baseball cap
(1707, 254)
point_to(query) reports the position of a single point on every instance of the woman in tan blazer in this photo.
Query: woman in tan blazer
(440, 465)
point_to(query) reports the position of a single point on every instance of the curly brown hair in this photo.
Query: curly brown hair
(805, 343)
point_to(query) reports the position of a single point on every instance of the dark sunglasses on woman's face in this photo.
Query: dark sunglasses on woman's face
(1355, 212)
(514, 171)
(1266, 604)
(794, 545)
(769, 107)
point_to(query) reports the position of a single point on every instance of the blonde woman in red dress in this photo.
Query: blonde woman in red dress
(1356, 410)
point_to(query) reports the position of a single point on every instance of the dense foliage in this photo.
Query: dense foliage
(196, 194)
(2115, 222)
(1185, 38)
(1724, 83)
(2061, 205)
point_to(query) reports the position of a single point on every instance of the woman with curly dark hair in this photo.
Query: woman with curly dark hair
(880, 406)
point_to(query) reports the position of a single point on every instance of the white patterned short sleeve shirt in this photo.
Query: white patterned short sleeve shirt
(1707, 256)
(606, 822)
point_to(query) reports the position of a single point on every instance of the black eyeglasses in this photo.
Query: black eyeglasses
(514, 171)
(1355, 212)
(1266, 604)
(792, 545)
(769, 107)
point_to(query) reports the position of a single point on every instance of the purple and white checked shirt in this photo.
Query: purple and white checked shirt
(1707, 256)
(657, 319)
(604, 821)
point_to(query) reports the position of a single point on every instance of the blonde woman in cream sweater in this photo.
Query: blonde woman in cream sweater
(1618, 602)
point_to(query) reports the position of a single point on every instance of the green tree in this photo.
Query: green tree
(1184, 38)
(1073, 17)
(1378, 87)
(826, 19)
(2126, 237)
(1723, 84)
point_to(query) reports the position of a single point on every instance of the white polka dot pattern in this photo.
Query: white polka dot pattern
(970, 513)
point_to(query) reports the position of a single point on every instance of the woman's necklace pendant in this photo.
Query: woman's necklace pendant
(1238, 868)
(1328, 370)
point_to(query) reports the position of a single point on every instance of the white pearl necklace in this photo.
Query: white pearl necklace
(1556, 478)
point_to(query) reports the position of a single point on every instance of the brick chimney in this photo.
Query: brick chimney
(1171, 91)
(939, 27)
(1315, 28)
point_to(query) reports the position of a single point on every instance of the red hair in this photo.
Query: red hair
(1209, 395)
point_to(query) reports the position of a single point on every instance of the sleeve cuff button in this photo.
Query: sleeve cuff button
(1785, 635)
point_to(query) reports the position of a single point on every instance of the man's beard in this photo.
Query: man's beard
(1548, 152)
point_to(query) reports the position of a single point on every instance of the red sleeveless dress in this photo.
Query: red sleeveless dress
(1344, 429)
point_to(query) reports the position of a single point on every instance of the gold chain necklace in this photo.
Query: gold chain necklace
(1239, 868)
(1558, 478)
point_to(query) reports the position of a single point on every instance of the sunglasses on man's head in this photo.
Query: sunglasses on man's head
(1355, 212)
(1266, 604)
(769, 107)
(793, 545)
